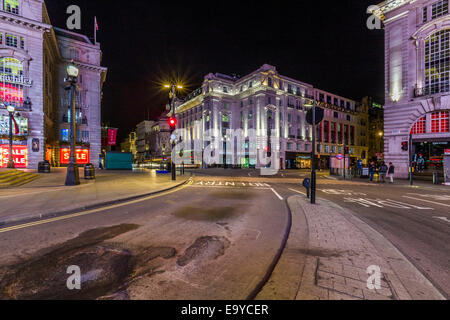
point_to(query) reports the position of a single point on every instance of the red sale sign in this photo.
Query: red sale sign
(81, 154)
(20, 156)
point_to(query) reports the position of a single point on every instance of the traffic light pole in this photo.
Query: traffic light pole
(313, 153)
(172, 164)
(411, 179)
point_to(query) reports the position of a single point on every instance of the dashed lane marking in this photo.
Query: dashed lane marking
(443, 219)
(276, 193)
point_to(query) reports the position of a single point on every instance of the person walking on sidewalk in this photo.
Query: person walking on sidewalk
(383, 170)
(391, 172)
(372, 169)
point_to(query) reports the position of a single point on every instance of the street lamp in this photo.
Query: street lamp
(73, 176)
(11, 111)
(172, 95)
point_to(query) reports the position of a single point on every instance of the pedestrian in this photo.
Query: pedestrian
(383, 170)
(421, 163)
(391, 172)
(100, 164)
(371, 171)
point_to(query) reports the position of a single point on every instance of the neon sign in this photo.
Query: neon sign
(81, 154)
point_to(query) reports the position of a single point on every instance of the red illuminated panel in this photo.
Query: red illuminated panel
(82, 156)
(440, 122)
(420, 126)
(20, 156)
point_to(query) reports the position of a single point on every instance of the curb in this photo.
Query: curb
(259, 287)
(4, 221)
(387, 250)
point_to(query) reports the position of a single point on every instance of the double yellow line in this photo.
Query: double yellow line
(84, 213)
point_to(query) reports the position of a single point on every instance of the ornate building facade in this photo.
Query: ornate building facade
(266, 103)
(417, 71)
(33, 59)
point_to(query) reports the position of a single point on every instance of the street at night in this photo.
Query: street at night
(229, 160)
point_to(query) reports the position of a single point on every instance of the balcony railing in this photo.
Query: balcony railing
(428, 91)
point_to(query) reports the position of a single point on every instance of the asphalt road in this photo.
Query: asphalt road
(207, 240)
(213, 239)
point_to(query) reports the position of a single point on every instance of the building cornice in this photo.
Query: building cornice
(24, 22)
(86, 66)
(388, 6)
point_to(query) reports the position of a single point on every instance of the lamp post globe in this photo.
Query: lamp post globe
(11, 165)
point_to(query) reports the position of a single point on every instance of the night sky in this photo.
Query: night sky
(145, 42)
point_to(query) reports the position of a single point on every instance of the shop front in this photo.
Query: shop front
(429, 155)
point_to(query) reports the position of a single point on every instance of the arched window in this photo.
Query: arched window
(437, 62)
(11, 73)
(420, 126)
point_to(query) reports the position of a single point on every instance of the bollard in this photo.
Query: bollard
(435, 178)
(89, 171)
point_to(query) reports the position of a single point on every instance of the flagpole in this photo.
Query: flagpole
(95, 30)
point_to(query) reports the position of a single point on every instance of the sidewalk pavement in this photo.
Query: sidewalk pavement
(49, 196)
(327, 257)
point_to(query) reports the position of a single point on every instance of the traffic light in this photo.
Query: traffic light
(405, 146)
(173, 123)
(346, 150)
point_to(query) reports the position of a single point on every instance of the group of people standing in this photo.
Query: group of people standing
(383, 171)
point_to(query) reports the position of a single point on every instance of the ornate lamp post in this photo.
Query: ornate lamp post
(11, 111)
(73, 176)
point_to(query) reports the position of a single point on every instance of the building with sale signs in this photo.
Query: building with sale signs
(33, 60)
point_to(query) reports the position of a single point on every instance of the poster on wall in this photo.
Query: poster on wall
(20, 156)
(35, 145)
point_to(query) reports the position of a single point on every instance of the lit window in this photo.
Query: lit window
(437, 62)
(22, 43)
(65, 135)
(420, 126)
(11, 6)
(11, 41)
(439, 9)
(440, 122)
(1, 38)
(425, 14)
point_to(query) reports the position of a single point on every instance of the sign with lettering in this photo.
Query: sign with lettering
(20, 156)
(81, 154)
(447, 152)
(15, 79)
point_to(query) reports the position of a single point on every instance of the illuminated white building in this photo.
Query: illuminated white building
(417, 70)
(265, 103)
(33, 59)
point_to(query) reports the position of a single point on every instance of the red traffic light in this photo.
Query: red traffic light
(173, 122)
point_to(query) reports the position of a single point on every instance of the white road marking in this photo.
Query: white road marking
(296, 191)
(379, 203)
(443, 219)
(342, 192)
(276, 193)
(436, 197)
(440, 204)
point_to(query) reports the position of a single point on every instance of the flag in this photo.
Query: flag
(16, 126)
(96, 24)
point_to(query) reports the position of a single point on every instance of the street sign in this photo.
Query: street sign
(340, 156)
(320, 114)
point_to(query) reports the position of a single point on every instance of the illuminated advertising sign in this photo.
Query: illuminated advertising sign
(81, 154)
(20, 156)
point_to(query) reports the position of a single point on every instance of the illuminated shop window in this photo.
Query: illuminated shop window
(439, 9)
(420, 126)
(440, 122)
(11, 6)
(64, 134)
(437, 62)
(10, 91)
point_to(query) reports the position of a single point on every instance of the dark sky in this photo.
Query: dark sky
(145, 42)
